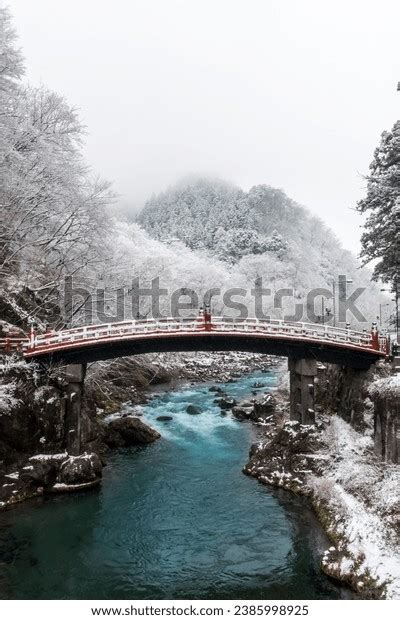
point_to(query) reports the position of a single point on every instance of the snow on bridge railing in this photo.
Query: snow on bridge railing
(218, 324)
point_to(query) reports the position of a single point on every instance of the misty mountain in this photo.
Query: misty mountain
(226, 222)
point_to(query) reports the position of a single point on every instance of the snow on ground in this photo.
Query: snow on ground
(370, 541)
(364, 494)
(387, 386)
(37, 458)
(14, 475)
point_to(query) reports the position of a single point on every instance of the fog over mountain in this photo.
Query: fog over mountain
(247, 236)
(222, 220)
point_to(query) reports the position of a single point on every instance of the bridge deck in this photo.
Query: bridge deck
(89, 343)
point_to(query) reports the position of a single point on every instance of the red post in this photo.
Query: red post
(207, 319)
(204, 319)
(32, 338)
(375, 337)
(200, 318)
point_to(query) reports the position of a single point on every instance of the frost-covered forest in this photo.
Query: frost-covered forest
(261, 233)
(52, 209)
(56, 219)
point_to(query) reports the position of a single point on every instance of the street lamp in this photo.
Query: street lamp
(328, 312)
(325, 311)
(396, 290)
(342, 280)
(380, 312)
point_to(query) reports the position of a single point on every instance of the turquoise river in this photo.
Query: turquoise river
(174, 519)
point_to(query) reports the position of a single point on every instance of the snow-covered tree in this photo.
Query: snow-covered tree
(11, 61)
(205, 214)
(381, 238)
(52, 216)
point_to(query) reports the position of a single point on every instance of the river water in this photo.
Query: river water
(174, 519)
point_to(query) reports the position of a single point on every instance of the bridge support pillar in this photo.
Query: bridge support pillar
(302, 400)
(75, 377)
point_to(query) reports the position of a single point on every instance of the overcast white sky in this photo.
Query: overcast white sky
(292, 93)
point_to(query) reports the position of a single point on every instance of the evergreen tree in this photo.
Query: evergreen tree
(381, 238)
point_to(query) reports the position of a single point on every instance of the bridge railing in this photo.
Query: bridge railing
(12, 345)
(126, 329)
(314, 330)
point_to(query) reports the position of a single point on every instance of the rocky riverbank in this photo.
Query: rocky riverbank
(354, 493)
(33, 459)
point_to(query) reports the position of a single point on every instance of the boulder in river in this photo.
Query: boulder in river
(62, 472)
(80, 469)
(242, 413)
(246, 403)
(264, 407)
(43, 469)
(129, 431)
(226, 403)
(164, 418)
(193, 410)
(260, 409)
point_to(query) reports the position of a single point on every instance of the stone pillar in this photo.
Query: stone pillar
(302, 401)
(378, 440)
(393, 436)
(75, 377)
(387, 428)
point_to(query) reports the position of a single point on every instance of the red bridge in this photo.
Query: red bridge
(302, 343)
(293, 340)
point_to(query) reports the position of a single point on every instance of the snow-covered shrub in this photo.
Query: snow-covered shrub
(8, 401)
(323, 488)
(388, 387)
